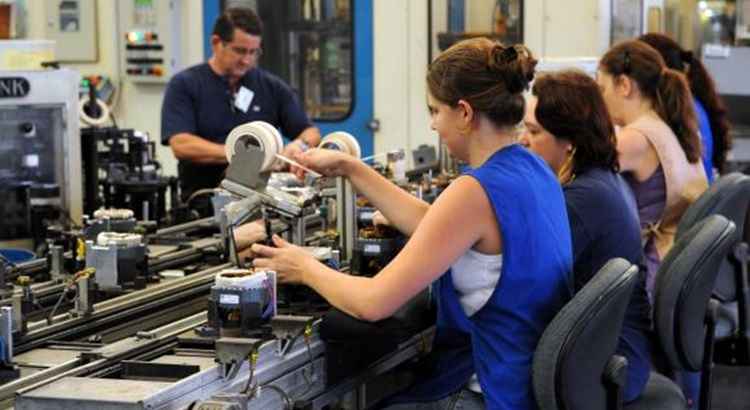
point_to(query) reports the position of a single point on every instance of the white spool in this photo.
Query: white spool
(128, 240)
(342, 141)
(113, 213)
(259, 133)
(91, 120)
(240, 278)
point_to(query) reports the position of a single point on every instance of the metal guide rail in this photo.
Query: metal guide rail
(33, 302)
(174, 368)
(113, 311)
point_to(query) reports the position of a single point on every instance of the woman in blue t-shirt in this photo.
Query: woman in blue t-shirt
(567, 123)
(496, 242)
(709, 108)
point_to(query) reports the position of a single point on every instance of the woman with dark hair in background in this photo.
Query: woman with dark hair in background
(496, 243)
(659, 148)
(567, 123)
(709, 108)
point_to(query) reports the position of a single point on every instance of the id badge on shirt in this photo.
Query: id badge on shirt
(243, 99)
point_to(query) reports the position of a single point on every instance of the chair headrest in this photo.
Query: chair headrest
(571, 355)
(728, 196)
(684, 284)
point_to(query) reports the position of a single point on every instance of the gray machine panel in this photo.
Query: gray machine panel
(30, 143)
(40, 135)
(730, 70)
(86, 393)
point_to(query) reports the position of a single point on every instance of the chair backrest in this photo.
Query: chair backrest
(576, 346)
(730, 197)
(684, 284)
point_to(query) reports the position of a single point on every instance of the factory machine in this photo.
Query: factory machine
(128, 332)
(40, 169)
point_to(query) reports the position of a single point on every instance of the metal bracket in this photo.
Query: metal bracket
(231, 352)
(84, 304)
(245, 169)
(6, 334)
(287, 329)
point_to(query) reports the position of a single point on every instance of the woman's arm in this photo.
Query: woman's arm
(401, 208)
(635, 154)
(460, 218)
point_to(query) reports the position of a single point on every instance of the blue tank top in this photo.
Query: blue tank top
(707, 139)
(498, 342)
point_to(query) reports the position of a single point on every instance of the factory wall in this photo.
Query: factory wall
(400, 54)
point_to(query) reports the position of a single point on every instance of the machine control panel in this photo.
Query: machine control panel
(150, 33)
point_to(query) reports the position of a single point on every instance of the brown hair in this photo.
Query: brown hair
(487, 75)
(703, 88)
(570, 106)
(667, 89)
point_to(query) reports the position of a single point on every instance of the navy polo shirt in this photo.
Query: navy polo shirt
(604, 225)
(199, 101)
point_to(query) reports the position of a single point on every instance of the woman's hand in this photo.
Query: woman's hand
(328, 162)
(290, 262)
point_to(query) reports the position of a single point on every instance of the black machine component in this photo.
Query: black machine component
(241, 304)
(27, 209)
(120, 171)
(375, 247)
(30, 196)
(119, 259)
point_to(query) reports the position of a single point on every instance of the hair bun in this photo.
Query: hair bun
(686, 56)
(514, 65)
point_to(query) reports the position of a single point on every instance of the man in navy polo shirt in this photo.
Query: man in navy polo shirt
(204, 102)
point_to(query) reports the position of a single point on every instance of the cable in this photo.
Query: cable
(89, 120)
(83, 274)
(288, 403)
(308, 377)
(7, 261)
(200, 192)
(253, 360)
(112, 117)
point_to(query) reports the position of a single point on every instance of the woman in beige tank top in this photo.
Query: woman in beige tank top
(658, 143)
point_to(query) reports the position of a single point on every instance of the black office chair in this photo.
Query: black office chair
(577, 347)
(730, 197)
(684, 319)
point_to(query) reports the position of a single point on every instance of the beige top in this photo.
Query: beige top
(685, 182)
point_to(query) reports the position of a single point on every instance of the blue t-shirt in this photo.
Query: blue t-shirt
(707, 139)
(199, 101)
(604, 225)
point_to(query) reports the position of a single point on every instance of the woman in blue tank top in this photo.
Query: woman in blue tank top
(567, 123)
(501, 226)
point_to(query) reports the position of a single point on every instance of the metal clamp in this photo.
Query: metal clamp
(231, 352)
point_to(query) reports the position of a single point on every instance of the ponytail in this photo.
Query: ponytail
(666, 88)
(704, 89)
(674, 105)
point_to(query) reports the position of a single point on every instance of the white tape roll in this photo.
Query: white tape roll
(101, 120)
(118, 239)
(342, 141)
(259, 133)
(240, 278)
(113, 213)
